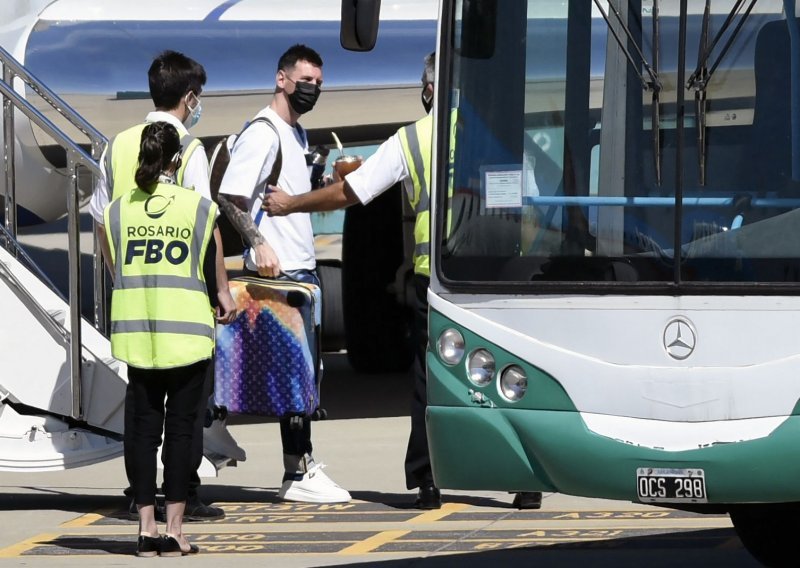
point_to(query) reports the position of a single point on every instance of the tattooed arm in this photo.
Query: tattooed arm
(236, 209)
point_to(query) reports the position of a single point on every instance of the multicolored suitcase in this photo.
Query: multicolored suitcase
(267, 360)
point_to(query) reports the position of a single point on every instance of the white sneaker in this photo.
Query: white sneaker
(314, 487)
(217, 439)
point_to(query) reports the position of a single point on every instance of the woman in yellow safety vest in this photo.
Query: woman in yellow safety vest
(159, 237)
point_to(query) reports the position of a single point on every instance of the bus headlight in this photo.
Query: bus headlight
(451, 346)
(513, 383)
(480, 368)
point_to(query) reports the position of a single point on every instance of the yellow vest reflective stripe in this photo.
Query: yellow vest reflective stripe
(415, 140)
(161, 316)
(122, 159)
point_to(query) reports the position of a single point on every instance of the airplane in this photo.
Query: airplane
(95, 56)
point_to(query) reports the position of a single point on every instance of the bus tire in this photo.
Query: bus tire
(330, 276)
(768, 532)
(377, 327)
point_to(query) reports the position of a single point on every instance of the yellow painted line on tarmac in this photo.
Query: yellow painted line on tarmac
(375, 541)
(89, 518)
(21, 548)
(438, 514)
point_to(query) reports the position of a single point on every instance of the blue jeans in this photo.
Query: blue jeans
(301, 275)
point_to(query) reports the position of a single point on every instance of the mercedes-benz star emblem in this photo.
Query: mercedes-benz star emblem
(679, 339)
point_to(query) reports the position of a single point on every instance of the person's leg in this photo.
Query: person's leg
(184, 393)
(149, 542)
(144, 420)
(418, 461)
(195, 509)
(303, 479)
(296, 442)
(133, 510)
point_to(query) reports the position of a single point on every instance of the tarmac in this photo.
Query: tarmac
(79, 517)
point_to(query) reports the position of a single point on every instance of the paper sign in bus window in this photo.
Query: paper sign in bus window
(503, 188)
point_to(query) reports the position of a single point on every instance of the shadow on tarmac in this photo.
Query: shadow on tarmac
(694, 548)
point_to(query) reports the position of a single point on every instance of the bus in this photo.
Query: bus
(615, 255)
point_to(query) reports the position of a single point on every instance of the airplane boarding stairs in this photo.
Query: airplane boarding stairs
(55, 412)
(37, 432)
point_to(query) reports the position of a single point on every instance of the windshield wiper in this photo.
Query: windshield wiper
(695, 78)
(654, 84)
(700, 93)
(655, 105)
(701, 76)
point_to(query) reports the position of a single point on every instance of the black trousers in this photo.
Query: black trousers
(418, 460)
(163, 401)
(197, 441)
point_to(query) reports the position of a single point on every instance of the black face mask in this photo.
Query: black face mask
(427, 103)
(304, 97)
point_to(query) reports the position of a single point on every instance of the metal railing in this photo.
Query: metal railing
(76, 157)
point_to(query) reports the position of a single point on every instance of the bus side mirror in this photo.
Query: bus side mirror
(359, 27)
(478, 23)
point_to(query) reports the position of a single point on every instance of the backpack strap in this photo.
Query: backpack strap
(274, 174)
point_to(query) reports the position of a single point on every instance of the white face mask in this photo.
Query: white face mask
(194, 112)
(171, 173)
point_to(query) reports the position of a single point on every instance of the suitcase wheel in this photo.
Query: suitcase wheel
(319, 414)
(220, 412)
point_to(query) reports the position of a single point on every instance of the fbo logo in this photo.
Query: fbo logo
(156, 205)
(154, 250)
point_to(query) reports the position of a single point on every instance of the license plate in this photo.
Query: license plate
(663, 485)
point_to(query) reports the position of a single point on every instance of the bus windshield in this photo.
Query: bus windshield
(605, 153)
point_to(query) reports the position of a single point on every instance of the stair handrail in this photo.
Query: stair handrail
(76, 157)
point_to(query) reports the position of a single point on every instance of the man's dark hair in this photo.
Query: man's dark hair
(298, 52)
(429, 73)
(172, 75)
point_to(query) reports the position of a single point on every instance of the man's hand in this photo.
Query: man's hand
(226, 310)
(266, 261)
(277, 202)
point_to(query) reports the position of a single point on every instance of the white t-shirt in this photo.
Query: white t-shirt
(252, 157)
(195, 174)
(381, 171)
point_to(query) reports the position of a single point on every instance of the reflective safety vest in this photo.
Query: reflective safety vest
(161, 316)
(122, 159)
(416, 140)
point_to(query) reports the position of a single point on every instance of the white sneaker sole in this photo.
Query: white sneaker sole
(301, 495)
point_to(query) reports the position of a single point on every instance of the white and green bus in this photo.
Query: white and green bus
(615, 291)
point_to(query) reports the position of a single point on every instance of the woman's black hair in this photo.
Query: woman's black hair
(160, 142)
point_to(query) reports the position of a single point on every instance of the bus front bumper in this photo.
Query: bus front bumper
(538, 450)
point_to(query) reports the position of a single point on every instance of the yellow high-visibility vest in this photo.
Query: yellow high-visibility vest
(122, 159)
(415, 140)
(161, 316)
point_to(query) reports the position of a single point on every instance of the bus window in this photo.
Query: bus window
(569, 163)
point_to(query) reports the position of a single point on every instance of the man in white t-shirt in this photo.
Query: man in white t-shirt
(285, 245)
(406, 158)
(176, 83)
